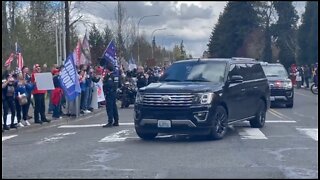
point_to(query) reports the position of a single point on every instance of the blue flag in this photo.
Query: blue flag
(110, 56)
(69, 79)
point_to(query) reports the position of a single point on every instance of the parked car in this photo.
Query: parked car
(282, 90)
(202, 97)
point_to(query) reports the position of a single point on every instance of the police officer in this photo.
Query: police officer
(110, 85)
(142, 78)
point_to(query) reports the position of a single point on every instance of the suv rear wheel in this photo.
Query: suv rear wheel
(220, 123)
(146, 136)
(259, 120)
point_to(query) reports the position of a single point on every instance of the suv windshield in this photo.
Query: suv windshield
(274, 71)
(203, 71)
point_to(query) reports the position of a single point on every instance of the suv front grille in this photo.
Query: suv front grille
(167, 99)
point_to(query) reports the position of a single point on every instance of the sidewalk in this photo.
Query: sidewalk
(49, 116)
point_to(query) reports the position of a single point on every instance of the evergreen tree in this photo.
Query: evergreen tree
(234, 24)
(308, 35)
(96, 44)
(107, 36)
(284, 30)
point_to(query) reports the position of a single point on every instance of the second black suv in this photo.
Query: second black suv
(203, 96)
(281, 86)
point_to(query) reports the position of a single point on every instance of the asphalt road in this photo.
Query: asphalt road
(287, 147)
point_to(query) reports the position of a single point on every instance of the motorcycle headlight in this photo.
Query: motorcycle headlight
(204, 98)
(139, 98)
(287, 84)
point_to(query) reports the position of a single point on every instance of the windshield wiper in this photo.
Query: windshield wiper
(272, 75)
(197, 80)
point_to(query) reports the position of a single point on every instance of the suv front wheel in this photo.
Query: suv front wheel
(220, 123)
(146, 136)
(259, 120)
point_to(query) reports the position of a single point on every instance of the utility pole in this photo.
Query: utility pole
(67, 27)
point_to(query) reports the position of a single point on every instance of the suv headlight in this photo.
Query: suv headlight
(287, 84)
(204, 98)
(139, 98)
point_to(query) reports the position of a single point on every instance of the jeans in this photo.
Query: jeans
(23, 108)
(56, 110)
(50, 109)
(89, 97)
(39, 108)
(8, 102)
(84, 100)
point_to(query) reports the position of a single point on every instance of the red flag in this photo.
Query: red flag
(9, 60)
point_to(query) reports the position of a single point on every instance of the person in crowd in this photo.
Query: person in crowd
(301, 69)
(50, 107)
(142, 78)
(315, 74)
(307, 75)
(56, 95)
(94, 78)
(84, 92)
(298, 77)
(27, 78)
(152, 77)
(110, 86)
(39, 99)
(21, 91)
(8, 95)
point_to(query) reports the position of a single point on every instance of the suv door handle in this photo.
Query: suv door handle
(243, 90)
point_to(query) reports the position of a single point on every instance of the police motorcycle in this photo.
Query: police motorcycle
(127, 94)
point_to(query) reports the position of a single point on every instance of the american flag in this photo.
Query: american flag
(9, 60)
(19, 55)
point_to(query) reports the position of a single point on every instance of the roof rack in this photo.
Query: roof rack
(242, 58)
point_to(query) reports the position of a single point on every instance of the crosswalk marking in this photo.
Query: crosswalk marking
(251, 133)
(116, 137)
(8, 137)
(311, 132)
(280, 121)
(55, 138)
(92, 125)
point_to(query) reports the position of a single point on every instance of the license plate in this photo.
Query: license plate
(164, 123)
(272, 98)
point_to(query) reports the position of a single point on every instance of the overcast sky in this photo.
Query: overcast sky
(191, 22)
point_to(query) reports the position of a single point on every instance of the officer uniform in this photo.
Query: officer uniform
(110, 85)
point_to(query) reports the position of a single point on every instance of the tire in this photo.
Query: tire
(220, 123)
(146, 136)
(260, 119)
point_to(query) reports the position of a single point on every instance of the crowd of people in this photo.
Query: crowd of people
(302, 75)
(19, 91)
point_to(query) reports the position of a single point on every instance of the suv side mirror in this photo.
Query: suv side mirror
(235, 79)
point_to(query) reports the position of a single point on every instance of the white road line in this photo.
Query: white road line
(8, 137)
(116, 137)
(55, 138)
(280, 121)
(91, 125)
(251, 133)
(311, 132)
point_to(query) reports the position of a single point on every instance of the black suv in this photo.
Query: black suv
(280, 84)
(203, 96)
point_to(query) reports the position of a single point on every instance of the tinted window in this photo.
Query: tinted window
(255, 71)
(239, 69)
(207, 71)
(275, 71)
